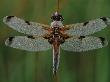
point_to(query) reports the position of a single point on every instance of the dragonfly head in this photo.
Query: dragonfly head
(56, 17)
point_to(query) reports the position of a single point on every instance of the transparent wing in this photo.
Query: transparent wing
(26, 27)
(84, 43)
(28, 43)
(89, 27)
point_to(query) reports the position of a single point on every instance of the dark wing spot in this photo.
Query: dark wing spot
(32, 37)
(47, 36)
(62, 40)
(102, 40)
(10, 40)
(8, 18)
(27, 22)
(50, 40)
(84, 24)
(104, 19)
(81, 37)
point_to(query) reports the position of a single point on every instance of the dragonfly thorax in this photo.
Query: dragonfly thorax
(56, 37)
(56, 24)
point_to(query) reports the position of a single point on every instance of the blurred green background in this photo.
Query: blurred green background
(23, 66)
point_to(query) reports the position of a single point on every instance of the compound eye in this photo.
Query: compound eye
(53, 17)
(60, 18)
(57, 17)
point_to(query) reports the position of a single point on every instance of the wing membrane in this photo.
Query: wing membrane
(28, 43)
(84, 44)
(90, 27)
(26, 27)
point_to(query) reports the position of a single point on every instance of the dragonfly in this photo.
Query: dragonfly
(41, 37)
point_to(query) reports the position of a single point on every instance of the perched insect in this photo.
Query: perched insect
(73, 37)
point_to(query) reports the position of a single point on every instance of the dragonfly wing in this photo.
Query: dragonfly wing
(26, 27)
(84, 43)
(89, 27)
(28, 43)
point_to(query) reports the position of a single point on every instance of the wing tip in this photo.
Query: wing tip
(106, 20)
(7, 18)
(104, 42)
(9, 41)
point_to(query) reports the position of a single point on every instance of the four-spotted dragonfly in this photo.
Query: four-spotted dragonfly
(40, 37)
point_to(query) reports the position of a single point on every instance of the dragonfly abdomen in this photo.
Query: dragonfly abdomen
(56, 57)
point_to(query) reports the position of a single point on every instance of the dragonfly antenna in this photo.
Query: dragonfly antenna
(58, 5)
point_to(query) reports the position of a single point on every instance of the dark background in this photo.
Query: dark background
(23, 66)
